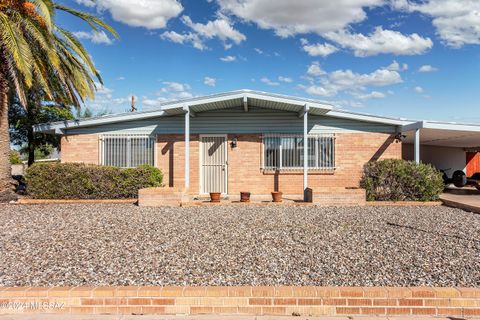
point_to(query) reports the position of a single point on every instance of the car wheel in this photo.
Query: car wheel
(459, 179)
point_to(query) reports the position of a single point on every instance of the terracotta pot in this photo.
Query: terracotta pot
(244, 196)
(215, 196)
(277, 196)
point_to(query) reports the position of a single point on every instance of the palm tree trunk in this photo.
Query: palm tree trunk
(7, 184)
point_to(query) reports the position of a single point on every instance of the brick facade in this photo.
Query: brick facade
(80, 148)
(352, 151)
(304, 301)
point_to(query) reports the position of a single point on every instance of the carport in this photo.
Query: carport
(445, 145)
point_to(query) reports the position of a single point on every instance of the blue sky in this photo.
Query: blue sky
(412, 59)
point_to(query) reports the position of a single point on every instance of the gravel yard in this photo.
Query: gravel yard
(238, 245)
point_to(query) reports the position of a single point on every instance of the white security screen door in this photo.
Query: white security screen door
(213, 155)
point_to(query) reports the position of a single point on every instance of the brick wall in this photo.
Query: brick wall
(80, 148)
(171, 159)
(352, 150)
(305, 301)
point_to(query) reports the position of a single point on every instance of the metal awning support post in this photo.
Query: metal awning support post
(187, 147)
(417, 146)
(305, 152)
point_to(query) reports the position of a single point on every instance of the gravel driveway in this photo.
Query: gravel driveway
(238, 245)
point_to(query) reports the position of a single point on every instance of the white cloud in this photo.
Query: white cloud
(381, 42)
(419, 89)
(102, 90)
(121, 78)
(212, 82)
(151, 14)
(191, 38)
(175, 91)
(285, 79)
(269, 82)
(228, 58)
(395, 66)
(372, 95)
(315, 70)
(97, 37)
(457, 21)
(319, 49)
(259, 51)
(105, 100)
(427, 68)
(169, 92)
(220, 28)
(287, 17)
(330, 84)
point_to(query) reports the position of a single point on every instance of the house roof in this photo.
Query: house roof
(246, 98)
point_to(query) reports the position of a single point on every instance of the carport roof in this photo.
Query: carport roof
(444, 134)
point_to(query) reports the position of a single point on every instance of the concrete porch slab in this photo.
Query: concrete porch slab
(467, 199)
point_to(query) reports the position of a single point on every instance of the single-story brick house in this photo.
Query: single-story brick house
(253, 141)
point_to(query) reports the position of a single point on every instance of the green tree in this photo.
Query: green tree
(35, 145)
(87, 113)
(35, 50)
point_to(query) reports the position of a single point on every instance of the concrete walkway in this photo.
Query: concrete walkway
(467, 199)
(206, 317)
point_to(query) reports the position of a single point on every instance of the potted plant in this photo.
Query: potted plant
(277, 196)
(244, 196)
(215, 196)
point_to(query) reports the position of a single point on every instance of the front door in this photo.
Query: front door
(213, 163)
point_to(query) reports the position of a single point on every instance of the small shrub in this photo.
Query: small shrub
(15, 157)
(400, 180)
(80, 181)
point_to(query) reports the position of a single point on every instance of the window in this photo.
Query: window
(286, 151)
(127, 151)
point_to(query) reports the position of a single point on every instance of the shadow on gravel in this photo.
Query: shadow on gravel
(430, 232)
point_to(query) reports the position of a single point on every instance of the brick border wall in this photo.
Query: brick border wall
(305, 301)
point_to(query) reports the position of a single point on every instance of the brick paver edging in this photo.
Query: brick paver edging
(305, 301)
(28, 201)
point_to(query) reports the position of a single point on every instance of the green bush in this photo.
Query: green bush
(400, 180)
(15, 157)
(80, 181)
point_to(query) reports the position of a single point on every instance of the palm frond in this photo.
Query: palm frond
(78, 48)
(46, 9)
(16, 80)
(41, 76)
(92, 21)
(15, 44)
(43, 38)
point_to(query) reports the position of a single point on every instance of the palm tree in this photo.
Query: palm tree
(35, 50)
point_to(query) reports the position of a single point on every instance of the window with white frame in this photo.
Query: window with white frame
(127, 150)
(285, 151)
